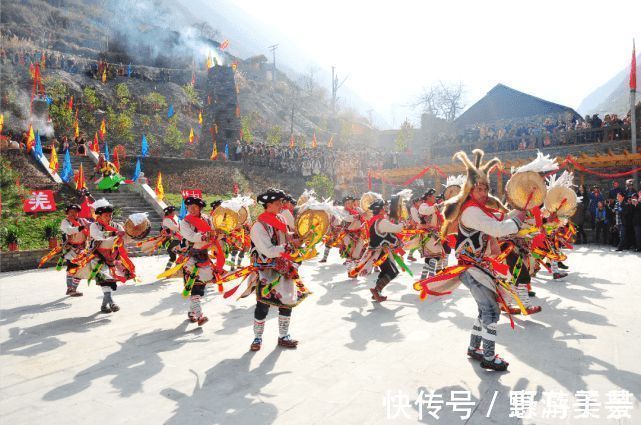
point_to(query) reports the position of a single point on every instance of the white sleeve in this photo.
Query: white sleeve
(169, 223)
(476, 219)
(188, 233)
(386, 226)
(425, 209)
(67, 228)
(99, 235)
(348, 218)
(263, 242)
(414, 214)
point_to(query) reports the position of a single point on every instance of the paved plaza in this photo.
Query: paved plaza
(63, 362)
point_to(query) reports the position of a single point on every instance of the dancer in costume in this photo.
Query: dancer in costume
(276, 282)
(433, 250)
(171, 230)
(477, 251)
(334, 236)
(107, 259)
(413, 223)
(75, 232)
(287, 212)
(110, 180)
(355, 239)
(198, 270)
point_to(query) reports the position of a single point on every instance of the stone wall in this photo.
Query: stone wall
(23, 260)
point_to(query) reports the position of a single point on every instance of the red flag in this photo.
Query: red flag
(71, 103)
(291, 141)
(633, 69)
(103, 130)
(116, 161)
(80, 179)
(95, 147)
(330, 144)
(314, 141)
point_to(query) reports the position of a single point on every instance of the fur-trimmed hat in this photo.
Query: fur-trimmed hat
(102, 206)
(348, 198)
(476, 173)
(168, 209)
(73, 207)
(216, 204)
(270, 195)
(192, 200)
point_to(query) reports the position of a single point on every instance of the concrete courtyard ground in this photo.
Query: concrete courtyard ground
(63, 362)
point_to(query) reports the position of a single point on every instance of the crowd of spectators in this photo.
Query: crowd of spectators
(534, 133)
(342, 165)
(613, 215)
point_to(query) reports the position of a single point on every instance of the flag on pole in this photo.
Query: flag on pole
(1, 122)
(53, 160)
(191, 136)
(116, 161)
(80, 180)
(183, 210)
(314, 141)
(226, 151)
(103, 130)
(144, 148)
(95, 147)
(70, 103)
(129, 70)
(31, 139)
(37, 149)
(633, 69)
(104, 75)
(214, 152)
(330, 144)
(67, 171)
(76, 131)
(291, 141)
(106, 152)
(137, 171)
(209, 61)
(170, 111)
(200, 118)
(160, 191)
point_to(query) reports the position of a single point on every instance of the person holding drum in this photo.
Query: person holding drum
(75, 232)
(198, 230)
(276, 282)
(431, 245)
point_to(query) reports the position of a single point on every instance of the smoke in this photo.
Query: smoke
(158, 33)
(22, 115)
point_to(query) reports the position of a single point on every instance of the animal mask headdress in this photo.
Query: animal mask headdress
(477, 173)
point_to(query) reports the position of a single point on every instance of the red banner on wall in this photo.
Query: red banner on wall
(196, 193)
(40, 201)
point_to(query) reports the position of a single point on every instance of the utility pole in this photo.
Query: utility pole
(291, 128)
(633, 109)
(273, 49)
(335, 86)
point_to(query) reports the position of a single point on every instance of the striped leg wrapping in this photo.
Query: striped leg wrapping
(521, 291)
(326, 253)
(283, 325)
(259, 327)
(475, 337)
(194, 306)
(106, 296)
(555, 266)
(488, 334)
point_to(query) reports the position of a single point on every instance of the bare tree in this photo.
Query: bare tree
(441, 100)
(335, 86)
(451, 103)
(309, 81)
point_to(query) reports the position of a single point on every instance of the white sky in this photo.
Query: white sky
(558, 50)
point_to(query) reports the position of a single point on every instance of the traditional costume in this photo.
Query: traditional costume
(480, 266)
(276, 281)
(355, 239)
(432, 249)
(198, 270)
(75, 232)
(333, 237)
(106, 259)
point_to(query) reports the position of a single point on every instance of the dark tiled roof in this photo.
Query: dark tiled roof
(503, 102)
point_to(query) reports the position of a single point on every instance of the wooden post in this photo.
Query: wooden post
(499, 182)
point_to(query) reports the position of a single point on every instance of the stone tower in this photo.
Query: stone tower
(221, 112)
